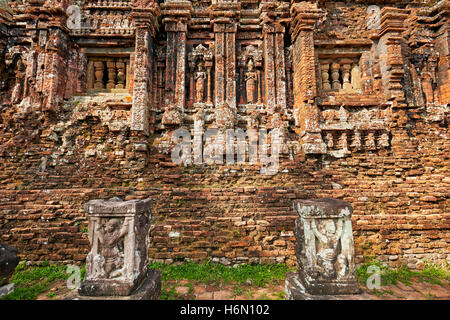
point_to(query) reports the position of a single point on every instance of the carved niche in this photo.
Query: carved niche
(201, 64)
(250, 71)
(105, 73)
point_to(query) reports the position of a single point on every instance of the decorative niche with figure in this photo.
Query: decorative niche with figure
(201, 63)
(250, 65)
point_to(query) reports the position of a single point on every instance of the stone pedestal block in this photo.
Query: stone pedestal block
(295, 290)
(8, 263)
(324, 248)
(150, 289)
(119, 236)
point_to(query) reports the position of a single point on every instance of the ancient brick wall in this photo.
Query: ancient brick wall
(359, 92)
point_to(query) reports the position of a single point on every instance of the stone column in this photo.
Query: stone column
(176, 63)
(111, 67)
(209, 64)
(54, 48)
(6, 15)
(121, 77)
(336, 84)
(442, 45)
(304, 15)
(324, 69)
(119, 236)
(324, 249)
(98, 73)
(146, 26)
(8, 262)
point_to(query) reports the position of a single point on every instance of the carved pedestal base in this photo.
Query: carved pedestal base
(324, 248)
(109, 287)
(6, 289)
(295, 290)
(119, 235)
(149, 290)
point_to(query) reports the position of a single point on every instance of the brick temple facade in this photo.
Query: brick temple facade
(91, 92)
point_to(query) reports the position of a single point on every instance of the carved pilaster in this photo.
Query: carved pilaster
(274, 53)
(176, 14)
(390, 51)
(224, 14)
(306, 113)
(145, 18)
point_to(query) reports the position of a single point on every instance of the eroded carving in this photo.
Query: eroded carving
(324, 248)
(119, 236)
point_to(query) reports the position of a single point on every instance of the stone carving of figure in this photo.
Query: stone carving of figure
(226, 116)
(327, 252)
(251, 79)
(329, 139)
(384, 140)
(370, 141)
(172, 116)
(17, 94)
(428, 75)
(342, 114)
(330, 116)
(342, 266)
(109, 238)
(356, 141)
(200, 80)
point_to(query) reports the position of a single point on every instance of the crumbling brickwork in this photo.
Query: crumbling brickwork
(91, 93)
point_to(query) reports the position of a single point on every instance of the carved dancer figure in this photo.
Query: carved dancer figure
(109, 237)
(429, 79)
(200, 79)
(17, 93)
(251, 79)
(329, 241)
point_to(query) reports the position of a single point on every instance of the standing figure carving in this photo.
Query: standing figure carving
(119, 235)
(429, 78)
(327, 251)
(200, 80)
(251, 80)
(324, 248)
(109, 238)
(17, 93)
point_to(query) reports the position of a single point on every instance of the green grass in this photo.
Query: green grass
(32, 281)
(390, 276)
(212, 273)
